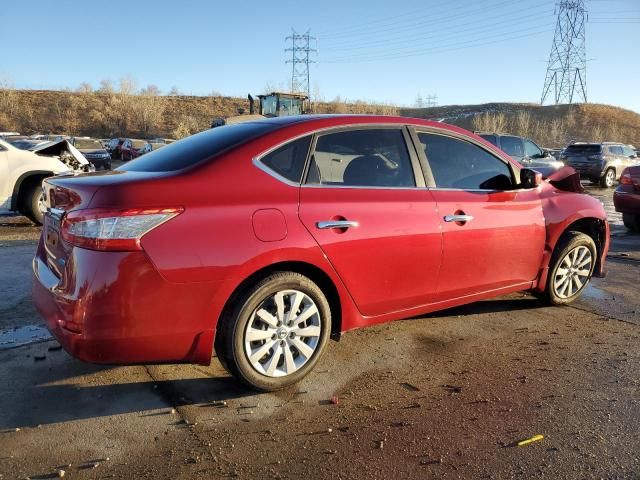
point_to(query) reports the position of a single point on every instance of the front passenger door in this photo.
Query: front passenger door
(493, 233)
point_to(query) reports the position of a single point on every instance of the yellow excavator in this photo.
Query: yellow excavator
(274, 104)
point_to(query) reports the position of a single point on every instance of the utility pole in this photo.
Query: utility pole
(300, 50)
(432, 101)
(566, 77)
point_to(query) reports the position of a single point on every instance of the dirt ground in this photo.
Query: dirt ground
(443, 396)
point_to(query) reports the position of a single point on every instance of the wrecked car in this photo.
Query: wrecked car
(263, 239)
(22, 172)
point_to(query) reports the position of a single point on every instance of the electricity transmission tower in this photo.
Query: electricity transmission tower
(432, 101)
(300, 50)
(566, 76)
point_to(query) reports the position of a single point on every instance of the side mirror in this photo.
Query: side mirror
(530, 178)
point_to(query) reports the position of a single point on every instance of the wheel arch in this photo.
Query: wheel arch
(313, 272)
(24, 181)
(593, 227)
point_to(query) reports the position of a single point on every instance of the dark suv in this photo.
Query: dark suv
(523, 150)
(599, 162)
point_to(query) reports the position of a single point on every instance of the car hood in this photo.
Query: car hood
(66, 153)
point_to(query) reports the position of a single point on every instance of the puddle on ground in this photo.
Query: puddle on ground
(595, 293)
(18, 336)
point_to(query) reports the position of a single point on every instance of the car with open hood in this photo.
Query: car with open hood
(22, 172)
(263, 239)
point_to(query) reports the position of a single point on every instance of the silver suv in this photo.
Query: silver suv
(599, 162)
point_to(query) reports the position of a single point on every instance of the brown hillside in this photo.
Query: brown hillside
(146, 116)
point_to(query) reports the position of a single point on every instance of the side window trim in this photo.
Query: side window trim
(415, 164)
(431, 184)
(257, 160)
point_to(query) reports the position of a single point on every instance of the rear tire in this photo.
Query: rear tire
(571, 267)
(608, 180)
(276, 331)
(31, 204)
(631, 221)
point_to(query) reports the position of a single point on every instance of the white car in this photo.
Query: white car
(22, 172)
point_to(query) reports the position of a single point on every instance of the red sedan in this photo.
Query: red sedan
(626, 198)
(265, 238)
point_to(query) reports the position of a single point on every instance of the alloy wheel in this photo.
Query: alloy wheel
(282, 333)
(573, 272)
(610, 178)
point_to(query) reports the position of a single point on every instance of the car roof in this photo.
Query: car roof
(329, 120)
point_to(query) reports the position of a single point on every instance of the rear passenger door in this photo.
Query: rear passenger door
(493, 233)
(365, 203)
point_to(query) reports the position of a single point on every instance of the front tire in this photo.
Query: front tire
(609, 178)
(276, 332)
(631, 221)
(571, 268)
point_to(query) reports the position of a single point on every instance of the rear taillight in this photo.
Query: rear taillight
(625, 178)
(114, 230)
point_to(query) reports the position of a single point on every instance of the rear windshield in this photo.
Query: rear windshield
(588, 149)
(196, 148)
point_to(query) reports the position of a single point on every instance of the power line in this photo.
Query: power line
(422, 20)
(566, 75)
(457, 32)
(300, 60)
(443, 48)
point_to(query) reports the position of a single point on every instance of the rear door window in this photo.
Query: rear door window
(615, 150)
(369, 157)
(512, 146)
(462, 165)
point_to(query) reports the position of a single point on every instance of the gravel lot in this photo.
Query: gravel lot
(444, 396)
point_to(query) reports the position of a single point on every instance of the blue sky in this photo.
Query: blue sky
(463, 51)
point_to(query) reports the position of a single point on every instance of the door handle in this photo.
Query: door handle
(458, 218)
(336, 224)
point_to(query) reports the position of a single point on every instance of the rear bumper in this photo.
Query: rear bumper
(114, 308)
(627, 200)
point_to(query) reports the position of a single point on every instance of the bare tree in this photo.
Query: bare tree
(106, 86)
(84, 87)
(174, 92)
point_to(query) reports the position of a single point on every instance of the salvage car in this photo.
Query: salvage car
(525, 151)
(146, 148)
(94, 152)
(601, 163)
(626, 198)
(22, 171)
(129, 149)
(263, 239)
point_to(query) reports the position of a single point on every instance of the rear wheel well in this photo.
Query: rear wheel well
(312, 272)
